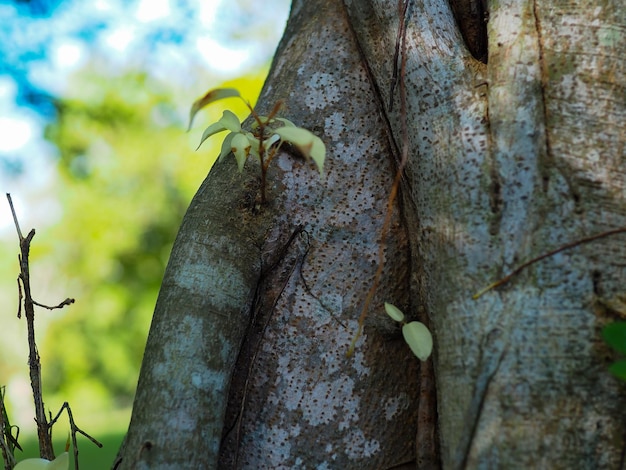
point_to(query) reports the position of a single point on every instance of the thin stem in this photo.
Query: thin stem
(263, 176)
(261, 136)
(567, 246)
(7, 441)
(46, 450)
(73, 430)
(17, 225)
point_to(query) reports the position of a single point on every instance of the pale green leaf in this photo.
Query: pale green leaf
(263, 119)
(418, 338)
(230, 121)
(210, 97)
(286, 122)
(241, 149)
(394, 312)
(211, 130)
(33, 464)
(226, 147)
(618, 369)
(254, 144)
(318, 154)
(310, 145)
(267, 143)
(62, 462)
(266, 120)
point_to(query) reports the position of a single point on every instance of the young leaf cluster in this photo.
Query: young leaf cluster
(263, 140)
(415, 333)
(615, 336)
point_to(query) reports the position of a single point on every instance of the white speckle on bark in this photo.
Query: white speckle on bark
(282, 448)
(321, 89)
(350, 412)
(358, 447)
(218, 274)
(321, 405)
(334, 125)
(394, 405)
(227, 347)
(358, 364)
(292, 397)
(330, 359)
(332, 306)
(182, 420)
(207, 379)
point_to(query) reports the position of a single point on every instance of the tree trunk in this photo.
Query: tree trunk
(246, 361)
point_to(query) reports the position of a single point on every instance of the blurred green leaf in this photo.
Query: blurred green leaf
(615, 336)
(618, 369)
(210, 97)
(226, 145)
(240, 148)
(228, 122)
(126, 174)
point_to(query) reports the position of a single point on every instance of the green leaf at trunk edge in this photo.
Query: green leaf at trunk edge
(210, 97)
(618, 369)
(615, 336)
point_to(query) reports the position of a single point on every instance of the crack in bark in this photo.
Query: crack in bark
(270, 287)
(427, 453)
(394, 147)
(471, 17)
(489, 369)
(544, 84)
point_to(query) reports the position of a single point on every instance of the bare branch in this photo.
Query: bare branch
(46, 449)
(68, 301)
(567, 246)
(17, 225)
(73, 430)
(8, 442)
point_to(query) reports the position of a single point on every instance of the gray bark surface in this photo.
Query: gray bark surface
(506, 162)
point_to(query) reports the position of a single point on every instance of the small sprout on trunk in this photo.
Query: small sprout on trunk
(394, 312)
(419, 339)
(415, 333)
(268, 133)
(615, 336)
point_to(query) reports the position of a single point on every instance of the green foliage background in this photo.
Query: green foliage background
(127, 171)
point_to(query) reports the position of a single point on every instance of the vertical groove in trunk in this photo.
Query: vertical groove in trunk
(306, 403)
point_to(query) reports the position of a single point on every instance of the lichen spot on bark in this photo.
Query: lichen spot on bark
(321, 90)
(335, 126)
(358, 446)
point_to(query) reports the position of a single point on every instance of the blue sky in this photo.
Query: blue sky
(42, 42)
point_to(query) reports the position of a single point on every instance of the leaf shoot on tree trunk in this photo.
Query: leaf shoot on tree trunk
(265, 139)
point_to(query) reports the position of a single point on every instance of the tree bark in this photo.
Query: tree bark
(246, 360)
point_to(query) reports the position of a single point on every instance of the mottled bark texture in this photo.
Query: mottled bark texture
(506, 162)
